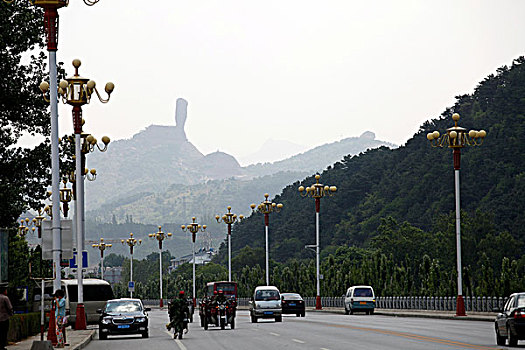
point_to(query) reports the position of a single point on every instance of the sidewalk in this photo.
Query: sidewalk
(77, 339)
(449, 315)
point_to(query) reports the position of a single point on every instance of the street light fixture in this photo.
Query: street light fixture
(229, 219)
(131, 242)
(160, 236)
(317, 191)
(77, 91)
(457, 138)
(102, 246)
(266, 207)
(193, 228)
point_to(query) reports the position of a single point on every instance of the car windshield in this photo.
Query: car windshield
(521, 301)
(267, 295)
(363, 292)
(291, 296)
(123, 306)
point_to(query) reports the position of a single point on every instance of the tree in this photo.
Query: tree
(24, 172)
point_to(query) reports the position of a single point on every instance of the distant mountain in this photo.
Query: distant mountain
(273, 150)
(158, 176)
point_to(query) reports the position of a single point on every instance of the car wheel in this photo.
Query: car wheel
(372, 312)
(279, 319)
(205, 325)
(500, 340)
(351, 311)
(513, 340)
(254, 319)
(145, 334)
(302, 314)
(298, 315)
(232, 324)
(102, 336)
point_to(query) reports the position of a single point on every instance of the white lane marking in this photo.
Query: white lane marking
(179, 343)
(276, 334)
(324, 349)
(298, 341)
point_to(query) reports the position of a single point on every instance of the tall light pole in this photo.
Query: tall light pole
(51, 32)
(266, 207)
(317, 191)
(131, 242)
(229, 218)
(160, 236)
(77, 91)
(457, 138)
(102, 246)
(193, 227)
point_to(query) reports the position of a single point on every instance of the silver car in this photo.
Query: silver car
(266, 303)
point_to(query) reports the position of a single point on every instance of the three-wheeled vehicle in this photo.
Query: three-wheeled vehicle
(219, 305)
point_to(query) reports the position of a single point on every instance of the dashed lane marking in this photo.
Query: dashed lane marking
(276, 334)
(298, 341)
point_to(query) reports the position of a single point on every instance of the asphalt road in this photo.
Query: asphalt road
(319, 331)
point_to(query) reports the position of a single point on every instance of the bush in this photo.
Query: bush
(22, 326)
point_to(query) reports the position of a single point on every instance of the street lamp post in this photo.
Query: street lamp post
(102, 246)
(193, 227)
(77, 91)
(317, 191)
(51, 32)
(229, 219)
(160, 236)
(131, 242)
(457, 138)
(266, 207)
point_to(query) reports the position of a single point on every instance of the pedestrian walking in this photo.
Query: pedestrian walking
(6, 311)
(60, 317)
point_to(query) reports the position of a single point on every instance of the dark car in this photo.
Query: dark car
(292, 303)
(510, 322)
(123, 316)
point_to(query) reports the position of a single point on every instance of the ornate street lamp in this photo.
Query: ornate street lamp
(229, 219)
(35, 224)
(51, 32)
(193, 228)
(266, 207)
(102, 246)
(131, 242)
(317, 191)
(160, 236)
(77, 91)
(457, 138)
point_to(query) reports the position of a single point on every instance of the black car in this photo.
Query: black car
(123, 316)
(292, 303)
(510, 322)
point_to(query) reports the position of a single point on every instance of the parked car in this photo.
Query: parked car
(510, 322)
(123, 316)
(292, 303)
(360, 298)
(266, 303)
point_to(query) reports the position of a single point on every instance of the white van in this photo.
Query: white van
(266, 303)
(360, 298)
(96, 293)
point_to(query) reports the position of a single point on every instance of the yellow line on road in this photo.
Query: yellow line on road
(416, 337)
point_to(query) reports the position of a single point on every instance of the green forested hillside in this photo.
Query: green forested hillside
(400, 202)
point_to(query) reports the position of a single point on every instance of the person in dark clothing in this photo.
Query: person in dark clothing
(6, 311)
(178, 312)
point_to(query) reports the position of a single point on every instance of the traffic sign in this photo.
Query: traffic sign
(131, 286)
(73, 262)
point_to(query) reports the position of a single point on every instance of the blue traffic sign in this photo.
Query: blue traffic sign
(73, 262)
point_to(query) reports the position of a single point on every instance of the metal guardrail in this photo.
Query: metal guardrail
(477, 304)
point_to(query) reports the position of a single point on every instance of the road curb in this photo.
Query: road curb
(85, 341)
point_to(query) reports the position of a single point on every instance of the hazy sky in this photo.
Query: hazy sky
(309, 72)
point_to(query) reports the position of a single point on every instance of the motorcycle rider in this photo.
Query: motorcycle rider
(178, 312)
(220, 297)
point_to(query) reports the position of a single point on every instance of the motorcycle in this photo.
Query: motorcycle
(225, 315)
